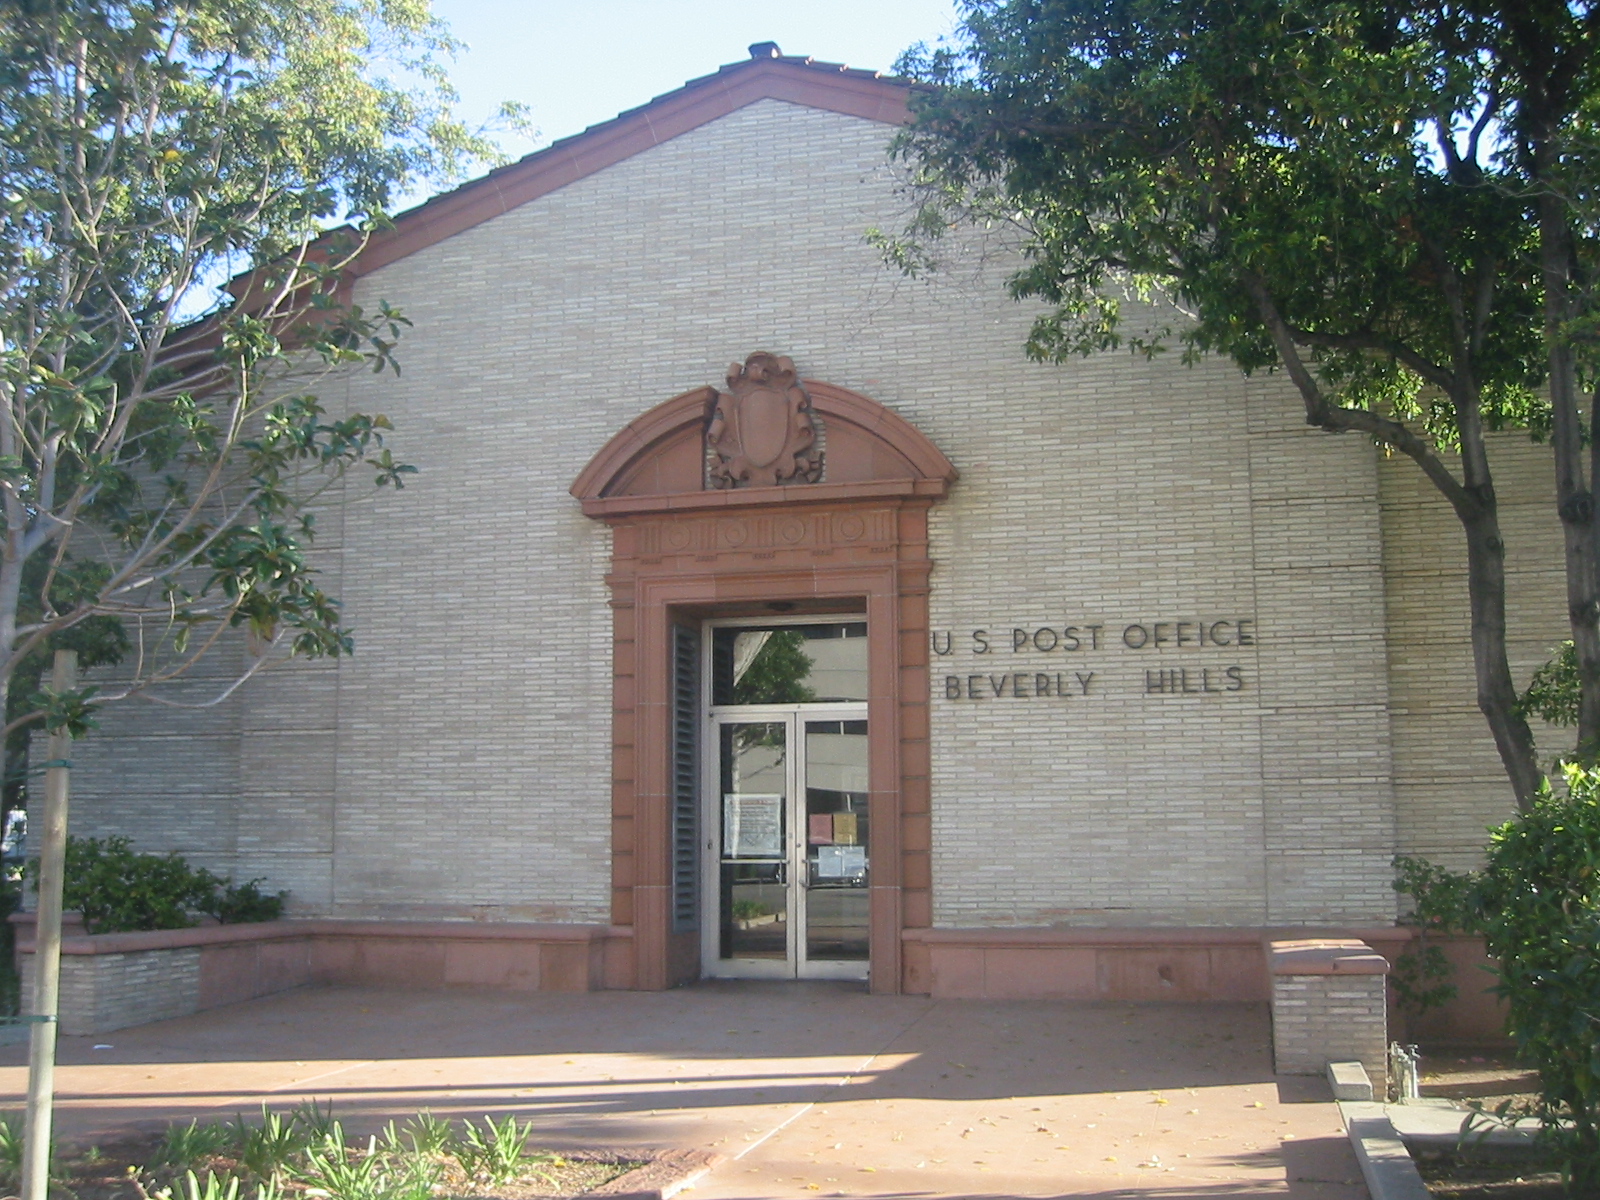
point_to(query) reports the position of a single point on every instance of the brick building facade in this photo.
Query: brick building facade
(1153, 667)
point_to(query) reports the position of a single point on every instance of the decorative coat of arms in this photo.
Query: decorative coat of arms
(762, 431)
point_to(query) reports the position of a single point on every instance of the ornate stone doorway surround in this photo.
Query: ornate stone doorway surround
(699, 531)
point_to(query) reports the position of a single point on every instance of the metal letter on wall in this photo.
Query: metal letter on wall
(763, 433)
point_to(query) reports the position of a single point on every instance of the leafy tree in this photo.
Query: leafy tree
(1315, 187)
(1539, 66)
(162, 447)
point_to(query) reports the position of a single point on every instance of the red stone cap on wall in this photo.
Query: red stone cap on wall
(1325, 956)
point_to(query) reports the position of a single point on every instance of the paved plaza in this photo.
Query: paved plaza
(807, 1089)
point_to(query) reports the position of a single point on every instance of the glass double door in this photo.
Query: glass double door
(788, 833)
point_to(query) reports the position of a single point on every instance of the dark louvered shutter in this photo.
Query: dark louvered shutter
(685, 778)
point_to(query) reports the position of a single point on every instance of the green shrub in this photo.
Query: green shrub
(242, 903)
(118, 889)
(1422, 976)
(1537, 903)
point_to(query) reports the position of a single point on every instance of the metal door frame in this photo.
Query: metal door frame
(794, 718)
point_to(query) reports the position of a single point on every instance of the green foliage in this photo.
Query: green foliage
(225, 1187)
(1554, 693)
(1219, 153)
(187, 1146)
(242, 903)
(162, 442)
(339, 1173)
(423, 1134)
(1423, 978)
(316, 1121)
(11, 1148)
(306, 1151)
(268, 1150)
(117, 888)
(497, 1153)
(99, 641)
(492, 1154)
(1537, 904)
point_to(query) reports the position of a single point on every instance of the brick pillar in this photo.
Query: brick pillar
(1329, 1004)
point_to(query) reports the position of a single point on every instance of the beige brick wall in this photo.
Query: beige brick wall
(1319, 1019)
(103, 992)
(458, 764)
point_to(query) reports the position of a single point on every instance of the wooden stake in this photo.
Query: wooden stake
(47, 949)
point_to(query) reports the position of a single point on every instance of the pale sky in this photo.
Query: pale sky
(578, 63)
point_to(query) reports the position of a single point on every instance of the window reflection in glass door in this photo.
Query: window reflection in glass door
(836, 841)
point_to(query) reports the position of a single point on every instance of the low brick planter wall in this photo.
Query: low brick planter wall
(113, 991)
(1329, 1004)
(110, 981)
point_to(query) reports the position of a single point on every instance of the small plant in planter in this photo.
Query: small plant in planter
(498, 1153)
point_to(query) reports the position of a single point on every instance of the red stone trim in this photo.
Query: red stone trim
(697, 103)
(685, 553)
(930, 472)
(641, 437)
(1325, 956)
(1145, 963)
(1138, 936)
(320, 927)
(743, 498)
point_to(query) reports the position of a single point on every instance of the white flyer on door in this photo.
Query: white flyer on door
(752, 825)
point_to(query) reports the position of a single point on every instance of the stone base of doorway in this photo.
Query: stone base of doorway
(665, 1173)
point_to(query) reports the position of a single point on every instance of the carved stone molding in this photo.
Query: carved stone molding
(658, 461)
(766, 541)
(762, 431)
(803, 529)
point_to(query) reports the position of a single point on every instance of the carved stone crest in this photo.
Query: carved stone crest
(762, 432)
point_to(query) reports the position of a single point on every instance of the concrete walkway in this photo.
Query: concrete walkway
(808, 1089)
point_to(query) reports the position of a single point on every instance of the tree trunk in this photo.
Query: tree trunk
(1497, 692)
(52, 840)
(1473, 501)
(1574, 499)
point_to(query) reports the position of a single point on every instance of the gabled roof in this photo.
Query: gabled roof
(765, 75)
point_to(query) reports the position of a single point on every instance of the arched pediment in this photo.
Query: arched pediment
(658, 461)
